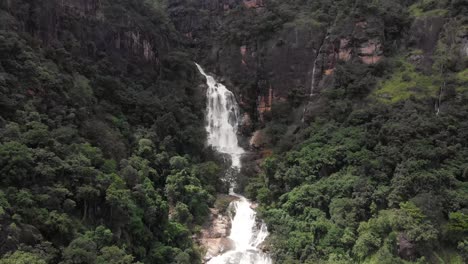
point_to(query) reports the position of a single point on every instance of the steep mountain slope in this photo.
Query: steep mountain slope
(364, 106)
(357, 112)
(273, 50)
(102, 155)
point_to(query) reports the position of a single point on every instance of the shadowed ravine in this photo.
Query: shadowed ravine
(222, 116)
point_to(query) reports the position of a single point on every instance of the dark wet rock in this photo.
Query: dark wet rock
(424, 35)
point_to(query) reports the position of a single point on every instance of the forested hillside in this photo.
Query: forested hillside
(356, 111)
(377, 173)
(101, 135)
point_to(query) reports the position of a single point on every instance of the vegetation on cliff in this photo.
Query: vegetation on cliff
(102, 156)
(378, 174)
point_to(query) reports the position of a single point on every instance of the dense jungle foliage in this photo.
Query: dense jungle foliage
(102, 154)
(98, 146)
(371, 179)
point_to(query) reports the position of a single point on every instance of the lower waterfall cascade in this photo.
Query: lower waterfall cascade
(247, 233)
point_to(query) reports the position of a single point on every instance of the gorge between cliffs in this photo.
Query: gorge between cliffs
(310, 131)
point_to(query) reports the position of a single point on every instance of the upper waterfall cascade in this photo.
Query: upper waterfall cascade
(222, 116)
(247, 234)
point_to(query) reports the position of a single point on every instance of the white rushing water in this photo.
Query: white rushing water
(314, 72)
(222, 116)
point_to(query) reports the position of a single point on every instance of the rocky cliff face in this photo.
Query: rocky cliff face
(268, 59)
(268, 68)
(94, 23)
(264, 57)
(424, 34)
(214, 235)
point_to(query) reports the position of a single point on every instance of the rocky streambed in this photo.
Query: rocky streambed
(214, 236)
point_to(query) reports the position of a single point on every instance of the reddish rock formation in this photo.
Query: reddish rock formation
(345, 50)
(330, 56)
(329, 71)
(371, 51)
(266, 153)
(285, 60)
(243, 52)
(257, 141)
(264, 103)
(253, 3)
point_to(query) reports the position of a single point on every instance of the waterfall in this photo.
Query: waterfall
(222, 118)
(312, 81)
(439, 99)
(314, 69)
